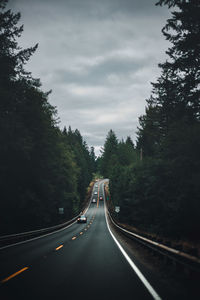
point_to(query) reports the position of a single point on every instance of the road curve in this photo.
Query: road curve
(81, 262)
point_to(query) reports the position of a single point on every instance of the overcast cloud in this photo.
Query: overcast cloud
(98, 57)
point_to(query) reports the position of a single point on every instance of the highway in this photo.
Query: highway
(82, 261)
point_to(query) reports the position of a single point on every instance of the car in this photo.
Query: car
(82, 219)
(95, 193)
(94, 200)
(100, 198)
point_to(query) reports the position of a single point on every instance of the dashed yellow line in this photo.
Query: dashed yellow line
(98, 198)
(13, 275)
(59, 247)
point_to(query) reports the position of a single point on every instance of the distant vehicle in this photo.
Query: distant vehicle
(82, 219)
(94, 200)
(100, 198)
(95, 193)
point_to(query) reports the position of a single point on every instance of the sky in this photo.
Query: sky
(98, 57)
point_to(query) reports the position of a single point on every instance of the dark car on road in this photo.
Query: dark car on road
(82, 219)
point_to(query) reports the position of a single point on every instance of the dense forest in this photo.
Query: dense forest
(42, 168)
(156, 182)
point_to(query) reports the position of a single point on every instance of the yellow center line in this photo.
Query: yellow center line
(98, 197)
(74, 237)
(59, 247)
(13, 275)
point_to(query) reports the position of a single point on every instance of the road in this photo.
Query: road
(82, 261)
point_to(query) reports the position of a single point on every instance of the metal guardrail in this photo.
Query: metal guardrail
(6, 240)
(10, 239)
(178, 257)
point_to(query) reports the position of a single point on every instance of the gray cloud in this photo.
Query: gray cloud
(98, 57)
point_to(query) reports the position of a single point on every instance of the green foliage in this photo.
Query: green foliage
(116, 153)
(116, 163)
(85, 159)
(160, 193)
(109, 153)
(169, 132)
(41, 168)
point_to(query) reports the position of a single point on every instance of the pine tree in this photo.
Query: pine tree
(169, 130)
(176, 94)
(109, 155)
(12, 56)
(92, 160)
(38, 170)
(183, 66)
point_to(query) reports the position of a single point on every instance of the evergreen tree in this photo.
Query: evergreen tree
(92, 160)
(149, 133)
(183, 66)
(161, 193)
(109, 155)
(82, 158)
(170, 128)
(39, 170)
(126, 152)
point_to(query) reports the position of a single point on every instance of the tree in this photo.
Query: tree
(183, 66)
(93, 160)
(126, 152)
(39, 169)
(12, 57)
(109, 155)
(169, 129)
(149, 133)
(82, 158)
(160, 193)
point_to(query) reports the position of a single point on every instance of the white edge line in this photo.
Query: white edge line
(137, 271)
(41, 236)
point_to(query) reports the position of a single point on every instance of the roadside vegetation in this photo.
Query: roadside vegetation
(42, 168)
(156, 181)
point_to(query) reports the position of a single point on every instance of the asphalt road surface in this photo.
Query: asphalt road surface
(82, 261)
